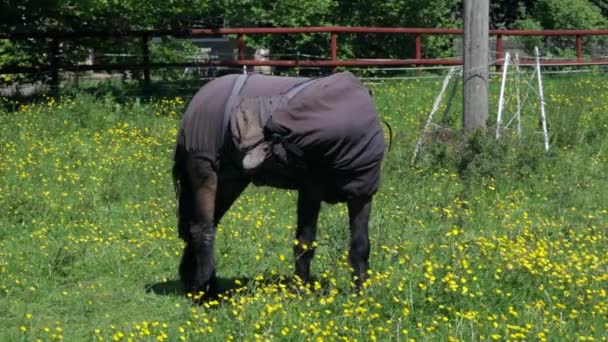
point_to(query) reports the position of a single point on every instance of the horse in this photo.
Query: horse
(319, 136)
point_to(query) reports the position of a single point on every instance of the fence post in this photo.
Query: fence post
(418, 46)
(499, 53)
(54, 63)
(334, 50)
(145, 47)
(240, 43)
(475, 73)
(579, 48)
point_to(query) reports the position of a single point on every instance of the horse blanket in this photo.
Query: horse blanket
(325, 128)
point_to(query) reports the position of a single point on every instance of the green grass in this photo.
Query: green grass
(480, 240)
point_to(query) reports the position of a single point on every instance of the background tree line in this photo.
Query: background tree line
(100, 15)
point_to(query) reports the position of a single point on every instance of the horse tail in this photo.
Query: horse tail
(177, 170)
(179, 175)
(390, 134)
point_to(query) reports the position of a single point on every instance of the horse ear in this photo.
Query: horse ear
(255, 157)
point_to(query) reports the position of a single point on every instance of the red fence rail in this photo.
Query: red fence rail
(54, 64)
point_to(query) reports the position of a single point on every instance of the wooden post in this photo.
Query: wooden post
(334, 50)
(145, 47)
(240, 45)
(579, 48)
(499, 53)
(418, 46)
(475, 74)
(54, 63)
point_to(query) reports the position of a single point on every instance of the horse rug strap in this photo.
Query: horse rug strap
(230, 104)
(298, 87)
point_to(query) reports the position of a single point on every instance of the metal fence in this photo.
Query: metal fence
(53, 62)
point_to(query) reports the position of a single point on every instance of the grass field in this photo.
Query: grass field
(480, 240)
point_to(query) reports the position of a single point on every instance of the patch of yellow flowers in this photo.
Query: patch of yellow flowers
(536, 280)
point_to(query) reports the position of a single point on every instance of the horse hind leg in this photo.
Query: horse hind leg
(359, 210)
(309, 205)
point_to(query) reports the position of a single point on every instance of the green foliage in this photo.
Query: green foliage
(7, 57)
(602, 5)
(155, 14)
(569, 14)
(173, 50)
(505, 13)
(21, 53)
(100, 15)
(23, 15)
(529, 42)
(480, 156)
(74, 15)
(291, 13)
(395, 13)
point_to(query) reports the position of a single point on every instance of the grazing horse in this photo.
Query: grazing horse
(320, 136)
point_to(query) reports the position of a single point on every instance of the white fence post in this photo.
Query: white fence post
(543, 116)
(518, 95)
(446, 81)
(501, 100)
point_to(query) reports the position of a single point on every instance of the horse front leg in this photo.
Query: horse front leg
(231, 183)
(359, 210)
(197, 268)
(309, 204)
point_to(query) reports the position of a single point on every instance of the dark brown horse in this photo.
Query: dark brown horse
(319, 136)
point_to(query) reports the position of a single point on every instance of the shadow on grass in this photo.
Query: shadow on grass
(226, 288)
(222, 287)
